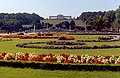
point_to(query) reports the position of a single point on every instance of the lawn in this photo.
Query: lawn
(10, 46)
(8, 72)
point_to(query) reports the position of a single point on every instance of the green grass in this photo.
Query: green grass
(102, 43)
(10, 46)
(8, 72)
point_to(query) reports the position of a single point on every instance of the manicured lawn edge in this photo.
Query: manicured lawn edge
(88, 33)
(56, 66)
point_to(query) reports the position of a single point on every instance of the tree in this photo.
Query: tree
(14, 22)
(1, 24)
(117, 20)
(109, 18)
(67, 24)
(96, 21)
(72, 23)
(85, 15)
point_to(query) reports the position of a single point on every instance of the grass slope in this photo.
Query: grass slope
(54, 22)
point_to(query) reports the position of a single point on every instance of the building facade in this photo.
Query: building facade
(60, 17)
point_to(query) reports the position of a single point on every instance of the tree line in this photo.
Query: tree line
(107, 20)
(102, 20)
(13, 22)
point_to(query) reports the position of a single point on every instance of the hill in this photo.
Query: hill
(54, 22)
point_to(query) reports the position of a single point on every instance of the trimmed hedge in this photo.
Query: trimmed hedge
(94, 33)
(25, 45)
(66, 38)
(53, 66)
(95, 40)
(64, 43)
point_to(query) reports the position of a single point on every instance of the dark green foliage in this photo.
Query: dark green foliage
(116, 22)
(85, 15)
(101, 20)
(13, 22)
(52, 66)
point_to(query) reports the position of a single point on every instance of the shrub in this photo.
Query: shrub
(66, 38)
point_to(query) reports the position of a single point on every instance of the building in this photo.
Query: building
(60, 17)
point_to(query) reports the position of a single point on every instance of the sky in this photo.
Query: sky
(46, 8)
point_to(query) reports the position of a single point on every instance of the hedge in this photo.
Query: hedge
(25, 45)
(94, 33)
(53, 66)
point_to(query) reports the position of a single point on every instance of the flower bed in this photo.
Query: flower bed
(66, 38)
(60, 61)
(29, 36)
(95, 40)
(65, 45)
(94, 33)
(61, 58)
(112, 38)
(5, 39)
(103, 39)
(37, 37)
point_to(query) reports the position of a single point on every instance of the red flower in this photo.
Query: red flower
(1, 58)
(3, 54)
(106, 57)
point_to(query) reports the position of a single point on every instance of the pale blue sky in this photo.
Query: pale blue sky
(45, 8)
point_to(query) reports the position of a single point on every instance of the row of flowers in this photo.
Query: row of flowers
(5, 39)
(64, 45)
(66, 38)
(95, 40)
(29, 36)
(36, 37)
(114, 38)
(61, 58)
